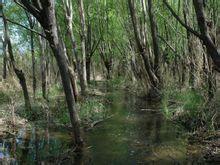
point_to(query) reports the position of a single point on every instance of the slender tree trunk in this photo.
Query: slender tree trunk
(19, 73)
(88, 68)
(154, 35)
(33, 65)
(31, 25)
(88, 52)
(83, 42)
(69, 18)
(189, 44)
(4, 75)
(43, 67)
(154, 82)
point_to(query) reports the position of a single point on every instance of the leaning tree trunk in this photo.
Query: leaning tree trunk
(141, 46)
(71, 71)
(44, 11)
(19, 73)
(68, 9)
(204, 35)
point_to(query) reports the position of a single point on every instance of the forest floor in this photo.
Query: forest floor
(10, 122)
(13, 117)
(209, 140)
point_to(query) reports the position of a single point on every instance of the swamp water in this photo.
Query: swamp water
(137, 133)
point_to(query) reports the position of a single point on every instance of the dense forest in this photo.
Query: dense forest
(109, 82)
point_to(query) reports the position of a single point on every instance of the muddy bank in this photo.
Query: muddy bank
(209, 144)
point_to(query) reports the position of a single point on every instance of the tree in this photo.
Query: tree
(31, 22)
(204, 35)
(44, 12)
(68, 12)
(83, 44)
(142, 47)
(19, 73)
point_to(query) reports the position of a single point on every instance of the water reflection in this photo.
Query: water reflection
(35, 146)
(132, 136)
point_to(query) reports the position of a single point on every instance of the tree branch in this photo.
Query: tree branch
(30, 8)
(13, 22)
(170, 46)
(181, 22)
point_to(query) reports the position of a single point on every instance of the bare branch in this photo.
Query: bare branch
(13, 22)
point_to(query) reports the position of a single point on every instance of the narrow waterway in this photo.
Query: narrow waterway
(137, 133)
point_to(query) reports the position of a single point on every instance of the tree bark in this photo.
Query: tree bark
(31, 25)
(19, 73)
(204, 35)
(154, 82)
(44, 11)
(154, 35)
(69, 18)
(4, 75)
(83, 42)
(206, 38)
(43, 67)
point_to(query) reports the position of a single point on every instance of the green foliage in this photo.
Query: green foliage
(4, 97)
(117, 82)
(92, 110)
(37, 113)
(183, 105)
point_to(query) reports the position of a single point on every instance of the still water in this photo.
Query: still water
(137, 133)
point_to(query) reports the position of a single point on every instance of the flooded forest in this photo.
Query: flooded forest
(109, 82)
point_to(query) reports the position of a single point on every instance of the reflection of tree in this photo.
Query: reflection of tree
(1, 9)
(158, 128)
(25, 148)
(13, 149)
(36, 143)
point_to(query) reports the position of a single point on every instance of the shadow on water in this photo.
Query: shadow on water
(133, 135)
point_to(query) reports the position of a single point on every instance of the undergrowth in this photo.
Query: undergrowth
(188, 107)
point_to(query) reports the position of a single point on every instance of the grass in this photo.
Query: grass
(185, 106)
(93, 110)
(90, 109)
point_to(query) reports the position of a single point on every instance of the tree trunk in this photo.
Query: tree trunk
(31, 25)
(43, 67)
(4, 75)
(154, 82)
(88, 52)
(154, 35)
(33, 64)
(205, 36)
(19, 73)
(44, 11)
(189, 44)
(69, 18)
(88, 68)
(83, 42)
